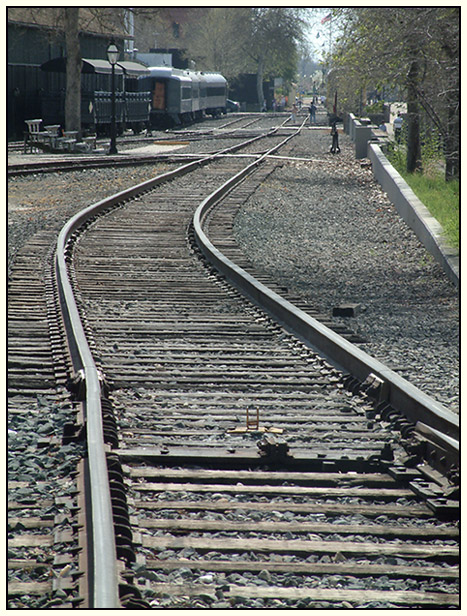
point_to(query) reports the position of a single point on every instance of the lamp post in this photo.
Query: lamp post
(112, 56)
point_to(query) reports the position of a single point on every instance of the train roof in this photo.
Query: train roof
(213, 77)
(160, 71)
(133, 69)
(170, 71)
(130, 69)
(166, 72)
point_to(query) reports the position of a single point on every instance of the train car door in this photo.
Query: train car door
(158, 96)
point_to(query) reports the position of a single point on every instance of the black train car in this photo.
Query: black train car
(131, 107)
(25, 83)
(33, 38)
(243, 88)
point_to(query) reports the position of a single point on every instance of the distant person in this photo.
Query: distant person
(312, 113)
(294, 113)
(398, 127)
(382, 127)
(335, 139)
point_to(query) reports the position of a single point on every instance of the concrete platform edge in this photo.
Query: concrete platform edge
(414, 212)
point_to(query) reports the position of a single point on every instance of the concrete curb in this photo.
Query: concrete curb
(414, 213)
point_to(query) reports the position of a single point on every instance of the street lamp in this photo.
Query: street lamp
(112, 56)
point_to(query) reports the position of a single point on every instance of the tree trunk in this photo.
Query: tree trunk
(73, 71)
(259, 83)
(451, 142)
(414, 156)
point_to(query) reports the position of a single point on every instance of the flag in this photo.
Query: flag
(327, 18)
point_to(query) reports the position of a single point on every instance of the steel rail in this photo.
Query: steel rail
(401, 394)
(103, 574)
(103, 580)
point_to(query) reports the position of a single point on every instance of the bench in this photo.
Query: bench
(38, 140)
(50, 140)
(31, 136)
(90, 142)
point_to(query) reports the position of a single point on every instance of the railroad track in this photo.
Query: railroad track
(207, 131)
(246, 470)
(42, 515)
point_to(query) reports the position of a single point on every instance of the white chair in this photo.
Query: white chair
(32, 135)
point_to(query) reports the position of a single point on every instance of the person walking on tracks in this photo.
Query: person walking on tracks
(335, 139)
(293, 114)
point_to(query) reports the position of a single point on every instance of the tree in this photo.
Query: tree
(73, 71)
(237, 40)
(74, 20)
(414, 154)
(272, 45)
(215, 40)
(414, 49)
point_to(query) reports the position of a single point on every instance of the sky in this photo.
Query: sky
(318, 33)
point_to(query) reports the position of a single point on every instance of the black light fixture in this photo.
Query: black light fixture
(112, 56)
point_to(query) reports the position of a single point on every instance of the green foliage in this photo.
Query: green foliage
(397, 155)
(377, 107)
(432, 148)
(410, 51)
(441, 198)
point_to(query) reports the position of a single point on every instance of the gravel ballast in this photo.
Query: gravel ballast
(327, 231)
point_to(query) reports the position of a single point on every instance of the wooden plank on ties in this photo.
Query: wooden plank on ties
(224, 504)
(357, 597)
(342, 568)
(298, 546)
(298, 527)
(326, 491)
(21, 589)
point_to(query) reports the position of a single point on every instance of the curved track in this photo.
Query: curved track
(247, 470)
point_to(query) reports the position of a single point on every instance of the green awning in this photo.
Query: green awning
(58, 65)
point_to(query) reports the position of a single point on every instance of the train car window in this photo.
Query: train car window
(216, 91)
(186, 93)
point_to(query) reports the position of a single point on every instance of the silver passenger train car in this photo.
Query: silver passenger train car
(181, 96)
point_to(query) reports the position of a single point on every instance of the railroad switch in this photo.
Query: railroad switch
(375, 387)
(73, 433)
(271, 448)
(252, 425)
